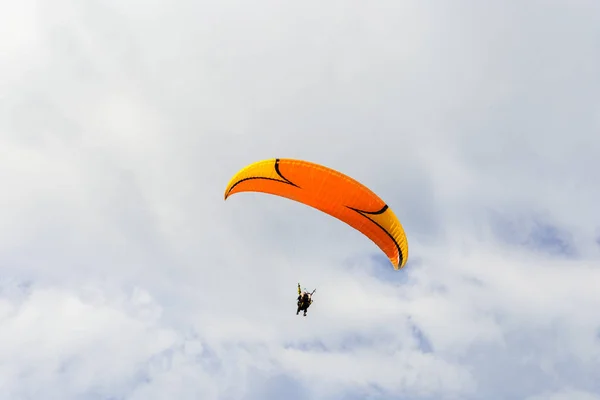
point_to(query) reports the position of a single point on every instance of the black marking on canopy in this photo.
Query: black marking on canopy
(281, 175)
(277, 170)
(379, 212)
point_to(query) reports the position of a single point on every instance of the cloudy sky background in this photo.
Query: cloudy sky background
(125, 276)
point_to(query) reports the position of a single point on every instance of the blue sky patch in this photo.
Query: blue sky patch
(533, 232)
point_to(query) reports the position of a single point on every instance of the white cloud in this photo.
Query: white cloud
(565, 394)
(125, 274)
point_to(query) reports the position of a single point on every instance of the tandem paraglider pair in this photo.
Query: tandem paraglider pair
(304, 300)
(331, 192)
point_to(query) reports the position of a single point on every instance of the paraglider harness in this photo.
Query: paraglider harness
(304, 300)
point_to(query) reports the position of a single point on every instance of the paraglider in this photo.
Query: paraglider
(304, 300)
(331, 192)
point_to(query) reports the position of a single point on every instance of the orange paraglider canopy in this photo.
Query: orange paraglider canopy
(331, 192)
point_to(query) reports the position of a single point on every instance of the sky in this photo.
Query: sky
(125, 276)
